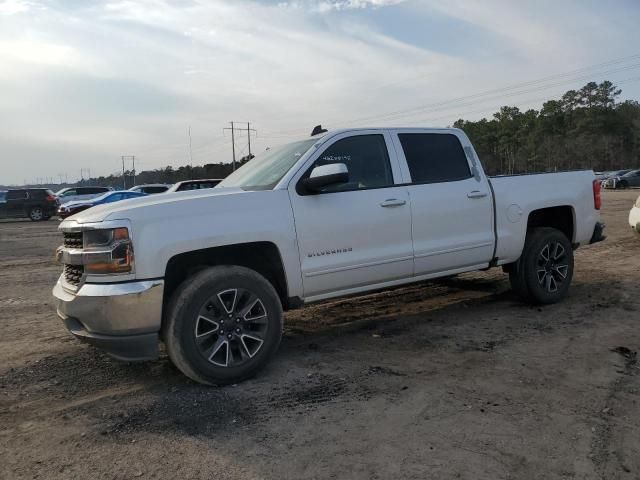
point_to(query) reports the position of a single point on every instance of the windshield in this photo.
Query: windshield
(265, 170)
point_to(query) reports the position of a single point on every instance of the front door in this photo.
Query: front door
(355, 234)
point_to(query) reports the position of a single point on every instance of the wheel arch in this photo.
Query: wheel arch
(262, 257)
(560, 217)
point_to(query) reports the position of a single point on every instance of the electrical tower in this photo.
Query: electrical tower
(133, 169)
(234, 129)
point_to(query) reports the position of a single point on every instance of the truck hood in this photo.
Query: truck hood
(135, 207)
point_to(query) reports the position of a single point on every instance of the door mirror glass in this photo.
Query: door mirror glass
(326, 175)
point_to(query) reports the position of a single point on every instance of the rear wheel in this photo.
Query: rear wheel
(223, 325)
(36, 214)
(545, 269)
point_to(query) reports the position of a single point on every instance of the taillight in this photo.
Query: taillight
(597, 197)
(51, 198)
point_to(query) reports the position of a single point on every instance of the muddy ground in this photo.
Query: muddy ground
(448, 379)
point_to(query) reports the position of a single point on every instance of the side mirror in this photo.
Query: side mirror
(326, 175)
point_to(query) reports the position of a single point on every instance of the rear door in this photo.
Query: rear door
(355, 234)
(17, 203)
(451, 202)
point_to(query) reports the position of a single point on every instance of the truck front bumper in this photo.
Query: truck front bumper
(121, 318)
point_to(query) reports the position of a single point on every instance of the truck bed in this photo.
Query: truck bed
(516, 196)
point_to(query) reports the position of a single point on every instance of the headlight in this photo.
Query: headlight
(107, 251)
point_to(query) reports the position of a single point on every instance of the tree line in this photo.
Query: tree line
(585, 128)
(168, 175)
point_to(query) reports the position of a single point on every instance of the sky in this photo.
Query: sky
(83, 82)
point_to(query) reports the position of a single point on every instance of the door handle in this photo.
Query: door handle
(392, 202)
(476, 194)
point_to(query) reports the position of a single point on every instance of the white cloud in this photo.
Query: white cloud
(12, 7)
(324, 6)
(98, 80)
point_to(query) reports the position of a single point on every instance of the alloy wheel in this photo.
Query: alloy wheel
(231, 327)
(552, 266)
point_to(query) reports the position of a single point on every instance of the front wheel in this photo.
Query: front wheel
(223, 325)
(544, 272)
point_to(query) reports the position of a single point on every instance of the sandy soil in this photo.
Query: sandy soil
(448, 379)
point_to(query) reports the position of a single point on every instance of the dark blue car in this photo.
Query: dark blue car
(71, 208)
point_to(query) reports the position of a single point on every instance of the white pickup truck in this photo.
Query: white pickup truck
(209, 272)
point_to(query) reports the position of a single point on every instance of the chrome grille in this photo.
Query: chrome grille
(72, 239)
(73, 274)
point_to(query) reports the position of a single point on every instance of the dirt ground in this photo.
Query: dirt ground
(447, 379)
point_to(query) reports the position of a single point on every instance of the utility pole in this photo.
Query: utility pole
(124, 179)
(190, 155)
(233, 129)
(249, 138)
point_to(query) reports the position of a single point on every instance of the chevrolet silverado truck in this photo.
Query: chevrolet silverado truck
(209, 272)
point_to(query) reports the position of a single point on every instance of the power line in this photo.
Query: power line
(570, 76)
(233, 129)
(495, 106)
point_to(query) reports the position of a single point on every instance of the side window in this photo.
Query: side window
(17, 195)
(114, 198)
(434, 157)
(366, 158)
(37, 194)
(68, 193)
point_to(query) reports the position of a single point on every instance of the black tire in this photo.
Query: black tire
(206, 301)
(623, 184)
(36, 214)
(544, 271)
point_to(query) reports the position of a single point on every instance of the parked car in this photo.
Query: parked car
(634, 216)
(194, 185)
(629, 179)
(34, 203)
(71, 208)
(612, 178)
(150, 188)
(346, 212)
(73, 194)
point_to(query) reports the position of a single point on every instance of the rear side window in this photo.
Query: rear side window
(16, 194)
(38, 194)
(187, 186)
(114, 198)
(434, 157)
(92, 190)
(154, 189)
